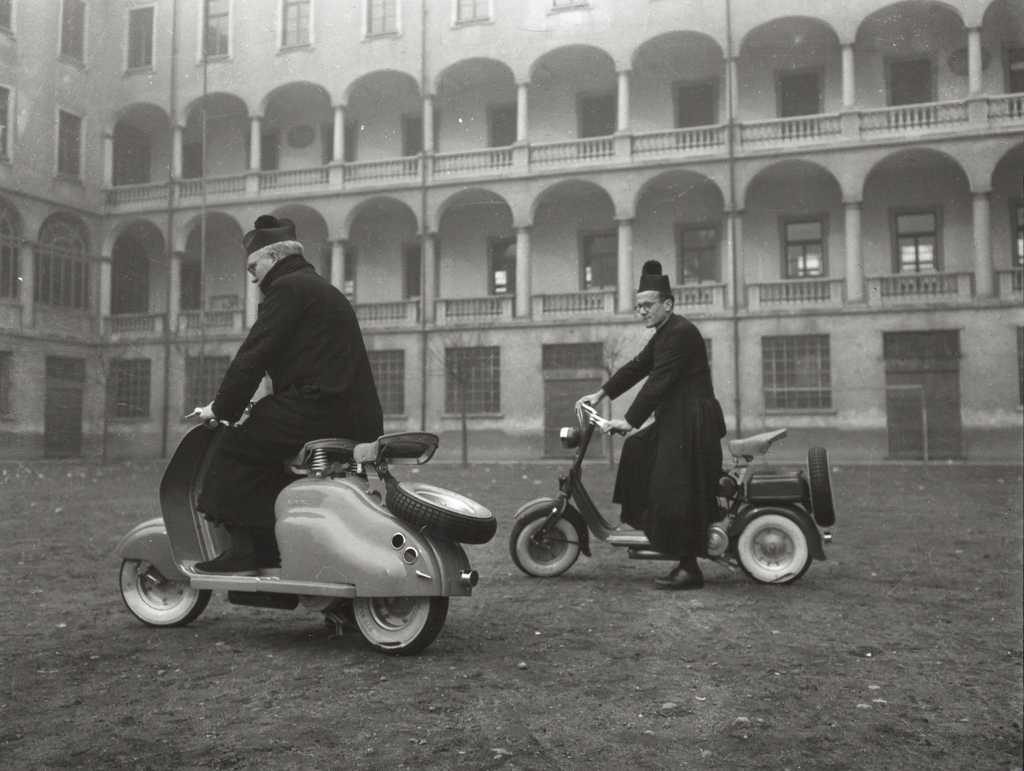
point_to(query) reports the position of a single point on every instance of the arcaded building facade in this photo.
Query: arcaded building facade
(835, 190)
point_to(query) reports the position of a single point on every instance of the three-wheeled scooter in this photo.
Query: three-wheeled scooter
(386, 563)
(770, 523)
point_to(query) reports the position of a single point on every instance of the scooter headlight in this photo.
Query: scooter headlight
(569, 437)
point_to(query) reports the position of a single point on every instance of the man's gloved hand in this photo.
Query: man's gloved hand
(205, 413)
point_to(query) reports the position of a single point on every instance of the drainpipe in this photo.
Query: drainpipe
(731, 154)
(173, 108)
(424, 235)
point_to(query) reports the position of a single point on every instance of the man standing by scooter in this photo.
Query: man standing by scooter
(668, 473)
(307, 339)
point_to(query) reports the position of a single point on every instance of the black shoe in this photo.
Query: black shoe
(680, 579)
(232, 561)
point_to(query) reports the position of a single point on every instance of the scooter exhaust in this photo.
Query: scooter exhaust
(469, 578)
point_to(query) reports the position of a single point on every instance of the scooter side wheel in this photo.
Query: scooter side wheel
(772, 549)
(156, 600)
(400, 625)
(543, 555)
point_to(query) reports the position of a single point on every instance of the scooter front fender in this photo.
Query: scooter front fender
(547, 505)
(148, 542)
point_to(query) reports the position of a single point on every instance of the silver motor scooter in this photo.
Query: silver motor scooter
(384, 562)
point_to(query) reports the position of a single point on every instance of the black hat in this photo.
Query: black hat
(267, 230)
(652, 279)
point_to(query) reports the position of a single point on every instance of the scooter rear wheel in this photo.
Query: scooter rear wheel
(544, 556)
(772, 549)
(400, 625)
(156, 600)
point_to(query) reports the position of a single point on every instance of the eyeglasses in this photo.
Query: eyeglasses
(644, 306)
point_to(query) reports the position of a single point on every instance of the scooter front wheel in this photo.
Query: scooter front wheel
(156, 600)
(544, 555)
(400, 625)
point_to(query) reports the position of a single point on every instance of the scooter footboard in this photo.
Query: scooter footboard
(148, 542)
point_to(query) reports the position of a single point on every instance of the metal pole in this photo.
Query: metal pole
(171, 182)
(734, 289)
(424, 235)
(924, 422)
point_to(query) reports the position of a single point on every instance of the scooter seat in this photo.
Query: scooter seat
(336, 449)
(758, 444)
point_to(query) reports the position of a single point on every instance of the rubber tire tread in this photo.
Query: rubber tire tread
(435, 622)
(437, 521)
(521, 525)
(821, 487)
(201, 602)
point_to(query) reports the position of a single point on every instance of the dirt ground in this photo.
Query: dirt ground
(902, 650)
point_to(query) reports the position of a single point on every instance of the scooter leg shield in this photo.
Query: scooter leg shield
(148, 542)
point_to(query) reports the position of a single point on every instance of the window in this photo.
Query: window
(600, 259)
(62, 272)
(5, 123)
(597, 113)
(270, 150)
(796, 372)
(140, 38)
(381, 17)
(502, 258)
(696, 103)
(6, 381)
(352, 129)
(216, 36)
(69, 144)
(191, 285)
(467, 11)
(128, 388)
(412, 134)
(389, 374)
(1020, 365)
(348, 280)
(72, 30)
(803, 244)
(1017, 248)
(203, 375)
(917, 242)
(1014, 70)
(501, 125)
(473, 380)
(295, 23)
(911, 81)
(411, 265)
(799, 93)
(5, 14)
(697, 250)
(8, 253)
(572, 356)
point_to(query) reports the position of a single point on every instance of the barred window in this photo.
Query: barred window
(796, 372)
(381, 17)
(5, 123)
(389, 374)
(140, 37)
(69, 144)
(6, 381)
(572, 356)
(8, 253)
(72, 29)
(62, 270)
(295, 26)
(473, 379)
(472, 10)
(203, 375)
(128, 388)
(217, 25)
(804, 247)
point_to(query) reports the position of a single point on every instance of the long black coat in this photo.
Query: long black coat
(307, 338)
(668, 473)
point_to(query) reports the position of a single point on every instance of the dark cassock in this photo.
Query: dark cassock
(668, 472)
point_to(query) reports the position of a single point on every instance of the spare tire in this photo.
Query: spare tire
(821, 487)
(439, 512)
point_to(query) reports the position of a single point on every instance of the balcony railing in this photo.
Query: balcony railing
(593, 302)
(134, 325)
(387, 170)
(470, 161)
(226, 185)
(698, 298)
(806, 128)
(1008, 108)
(776, 295)
(684, 140)
(294, 178)
(127, 195)
(920, 288)
(590, 149)
(389, 314)
(475, 309)
(190, 322)
(913, 117)
(1009, 283)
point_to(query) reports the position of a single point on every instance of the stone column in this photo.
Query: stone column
(854, 259)
(625, 267)
(732, 73)
(174, 292)
(983, 273)
(338, 264)
(338, 140)
(522, 115)
(105, 289)
(734, 281)
(849, 78)
(974, 61)
(108, 160)
(27, 290)
(428, 291)
(176, 152)
(255, 138)
(524, 281)
(428, 123)
(622, 114)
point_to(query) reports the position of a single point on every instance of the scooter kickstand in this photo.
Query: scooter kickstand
(335, 623)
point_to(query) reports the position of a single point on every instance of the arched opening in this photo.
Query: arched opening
(1002, 47)
(477, 246)
(476, 106)
(10, 241)
(61, 263)
(137, 248)
(227, 137)
(572, 94)
(677, 82)
(1007, 219)
(384, 243)
(221, 286)
(142, 145)
(297, 130)
(311, 231)
(384, 118)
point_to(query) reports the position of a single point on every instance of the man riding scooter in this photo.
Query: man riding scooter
(668, 473)
(307, 339)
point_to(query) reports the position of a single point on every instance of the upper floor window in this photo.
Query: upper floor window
(803, 243)
(1014, 70)
(696, 103)
(597, 114)
(5, 118)
(8, 253)
(502, 258)
(910, 81)
(916, 241)
(411, 266)
(216, 26)
(1018, 234)
(69, 144)
(467, 11)
(501, 125)
(697, 250)
(140, 38)
(799, 93)
(61, 267)
(600, 259)
(72, 29)
(5, 14)
(381, 17)
(295, 23)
